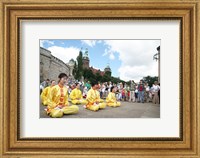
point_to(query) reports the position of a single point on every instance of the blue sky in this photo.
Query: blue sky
(128, 59)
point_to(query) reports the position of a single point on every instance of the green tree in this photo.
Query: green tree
(106, 78)
(150, 80)
(79, 72)
(88, 74)
(75, 69)
(108, 73)
(98, 77)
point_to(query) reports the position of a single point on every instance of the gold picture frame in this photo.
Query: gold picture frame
(12, 12)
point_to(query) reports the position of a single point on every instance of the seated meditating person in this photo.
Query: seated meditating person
(76, 96)
(58, 99)
(111, 98)
(45, 93)
(93, 98)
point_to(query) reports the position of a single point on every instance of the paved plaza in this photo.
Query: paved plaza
(126, 110)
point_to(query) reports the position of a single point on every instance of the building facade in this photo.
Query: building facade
(86, 65)
(51, 66)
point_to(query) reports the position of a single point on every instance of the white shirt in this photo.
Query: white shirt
(155, 88)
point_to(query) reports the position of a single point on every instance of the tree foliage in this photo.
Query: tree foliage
(108, 73)
(88, 74)
(150, 80)
(98, 77)
(75, 69)
(79, 71)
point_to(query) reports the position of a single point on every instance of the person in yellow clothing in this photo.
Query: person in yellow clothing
(76, 96)
(93, 99)
(111, 99)
(58, 99)
(45, 93)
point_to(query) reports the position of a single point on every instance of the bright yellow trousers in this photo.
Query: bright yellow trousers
(56, 113)
(101, 100)
(81, 101)
(114, 104)
(96, 107)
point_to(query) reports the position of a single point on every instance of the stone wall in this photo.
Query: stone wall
(51, 67)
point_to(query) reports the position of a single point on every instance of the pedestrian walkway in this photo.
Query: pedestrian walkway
(126, 110)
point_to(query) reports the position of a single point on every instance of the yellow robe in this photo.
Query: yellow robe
(99, 99)
(58, 96)
(77, 97)
(92, 98)
(111, 100)
(44, 95)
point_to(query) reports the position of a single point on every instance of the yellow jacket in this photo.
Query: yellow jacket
(111, 98)
(76, 94)
(44, 95)
(98, 95)
(92, 96)
(58, 96)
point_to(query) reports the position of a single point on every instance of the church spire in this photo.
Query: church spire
(86, 59)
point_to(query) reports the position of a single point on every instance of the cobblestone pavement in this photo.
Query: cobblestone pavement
(126, 110)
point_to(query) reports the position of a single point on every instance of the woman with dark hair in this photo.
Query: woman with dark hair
(58, 99)
(111, 99)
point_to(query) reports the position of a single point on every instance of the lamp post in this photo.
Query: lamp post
(157, 58)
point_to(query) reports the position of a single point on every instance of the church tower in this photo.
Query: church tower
(86, 60)
(107, 70)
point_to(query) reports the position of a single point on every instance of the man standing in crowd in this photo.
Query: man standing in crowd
(155, 90)
(141, 90)
(132, 92)
(146, 93)
(88, 85)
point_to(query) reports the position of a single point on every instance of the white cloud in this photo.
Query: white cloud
(136, 57)
(111, 56)
(105, 53)
(110, 53)
(42, 42)
(136, 73)
(90, 43)
(64, 53)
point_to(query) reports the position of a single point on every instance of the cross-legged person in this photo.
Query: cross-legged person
(58, 99)
(76, 96)
(45, 93)
(93, 98)
(111, 99)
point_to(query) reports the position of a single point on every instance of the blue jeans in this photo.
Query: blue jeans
(141, 96)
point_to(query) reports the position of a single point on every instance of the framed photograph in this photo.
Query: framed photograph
(99, 79)
(124, 78)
